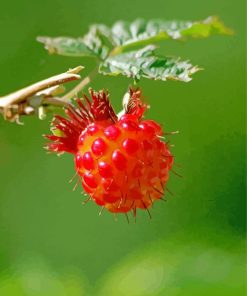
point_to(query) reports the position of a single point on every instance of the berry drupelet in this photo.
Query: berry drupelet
(123, 163)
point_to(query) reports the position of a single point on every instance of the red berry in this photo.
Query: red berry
(123, 162)
(105, 170)
(99, 147)
(81, 140)
(119, 160)
(127, 117)
(130, 146)
(86, 187)
(109, 185)
(155, 126)
(138, 169)
(87, 161)
(90, 180)
(92, 129)
(147, 129)
(112, 132)
(128, 125)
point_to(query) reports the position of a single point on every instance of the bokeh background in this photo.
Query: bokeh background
(194, 245)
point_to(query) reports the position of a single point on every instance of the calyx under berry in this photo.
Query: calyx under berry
(122, 162)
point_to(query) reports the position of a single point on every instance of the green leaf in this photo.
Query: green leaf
(101, 40)
(145, 63)
(98, 41)
(127, 35)
(66, 46)
(94, 44)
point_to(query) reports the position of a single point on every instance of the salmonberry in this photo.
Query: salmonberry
(122, 162)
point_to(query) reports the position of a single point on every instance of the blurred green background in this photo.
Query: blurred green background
(194, 245)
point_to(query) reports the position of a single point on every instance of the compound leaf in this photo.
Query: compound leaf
(145, 63)
(101, 40)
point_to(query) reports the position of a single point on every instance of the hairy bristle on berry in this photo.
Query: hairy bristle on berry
(123, 163)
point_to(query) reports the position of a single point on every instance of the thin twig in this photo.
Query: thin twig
(29, 91)
(79, 87)
(25, 101)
